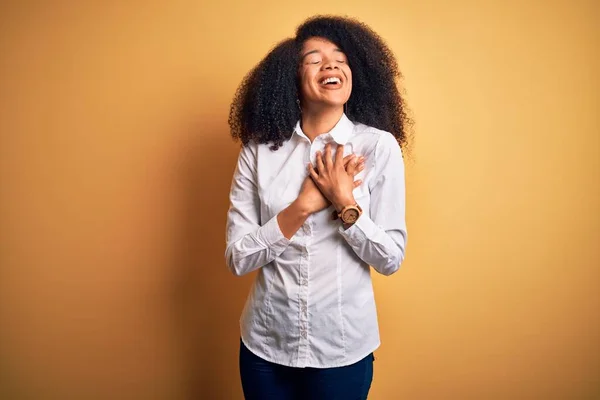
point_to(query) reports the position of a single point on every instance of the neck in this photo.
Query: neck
(315, 123)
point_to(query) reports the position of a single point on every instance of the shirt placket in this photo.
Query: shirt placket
(303, 282)
(303, 321)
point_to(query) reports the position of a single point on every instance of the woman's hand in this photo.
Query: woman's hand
(335, 177)
(312, 199)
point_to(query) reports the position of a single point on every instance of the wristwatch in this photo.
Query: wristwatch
(350, 214)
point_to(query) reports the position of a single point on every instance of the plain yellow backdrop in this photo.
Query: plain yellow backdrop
(115, 165)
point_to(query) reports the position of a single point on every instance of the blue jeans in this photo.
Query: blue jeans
(264, 380)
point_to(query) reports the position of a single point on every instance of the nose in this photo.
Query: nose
(329, 64)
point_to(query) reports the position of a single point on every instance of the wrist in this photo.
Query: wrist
(342, 202)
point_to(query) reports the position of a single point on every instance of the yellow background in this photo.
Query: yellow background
(115, 165)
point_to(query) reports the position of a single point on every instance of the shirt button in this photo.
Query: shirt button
(304, 282)
(303, 334)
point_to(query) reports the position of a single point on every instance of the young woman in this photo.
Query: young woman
(317, 200)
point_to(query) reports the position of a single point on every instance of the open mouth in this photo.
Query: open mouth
(332, 82)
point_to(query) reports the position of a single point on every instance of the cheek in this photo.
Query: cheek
(348, 81)
(305, 78)
(303, 82)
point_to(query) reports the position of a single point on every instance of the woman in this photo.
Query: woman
(317, 199)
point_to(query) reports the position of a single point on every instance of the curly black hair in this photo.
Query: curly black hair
(265, 109)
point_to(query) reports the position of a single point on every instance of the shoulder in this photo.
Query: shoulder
(247, 155)
(256, 153)
(253, 148)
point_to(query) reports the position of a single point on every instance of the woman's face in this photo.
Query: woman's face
(325, 77)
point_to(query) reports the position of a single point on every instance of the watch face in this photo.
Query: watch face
(350, 216)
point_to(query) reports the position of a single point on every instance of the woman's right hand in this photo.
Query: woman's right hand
(311, 200)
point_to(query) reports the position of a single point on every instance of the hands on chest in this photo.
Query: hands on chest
(331, 181)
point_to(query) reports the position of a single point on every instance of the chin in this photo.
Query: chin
(334, 102)
(329, 103)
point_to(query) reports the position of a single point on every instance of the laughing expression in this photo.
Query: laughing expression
(325, 77)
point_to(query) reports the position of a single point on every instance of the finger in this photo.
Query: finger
(353, 157)
(328, 160)
(357, 183)
(359, 168)
(320, 166)
(360, 164)
(352, 165)
(347, 159)
(311, 171)
(339, 155)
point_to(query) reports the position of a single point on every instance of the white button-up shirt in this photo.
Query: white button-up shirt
(312, 302)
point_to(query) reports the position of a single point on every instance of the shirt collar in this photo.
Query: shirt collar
(340, 133)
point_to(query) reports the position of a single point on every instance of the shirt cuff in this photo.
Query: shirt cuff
(270, 234)
(360, 231)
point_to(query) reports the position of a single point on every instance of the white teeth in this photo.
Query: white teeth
(330, 80)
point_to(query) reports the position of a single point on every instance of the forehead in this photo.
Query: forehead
(319, 44)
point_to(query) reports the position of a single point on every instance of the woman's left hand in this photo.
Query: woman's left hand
(333, 178)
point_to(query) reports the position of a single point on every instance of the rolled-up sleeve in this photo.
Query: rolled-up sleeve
(249, 245)
(379, 236)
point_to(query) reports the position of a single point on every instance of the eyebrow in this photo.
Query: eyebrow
(318, 51)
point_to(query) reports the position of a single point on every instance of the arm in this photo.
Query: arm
(250, 245)
(379, 239)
